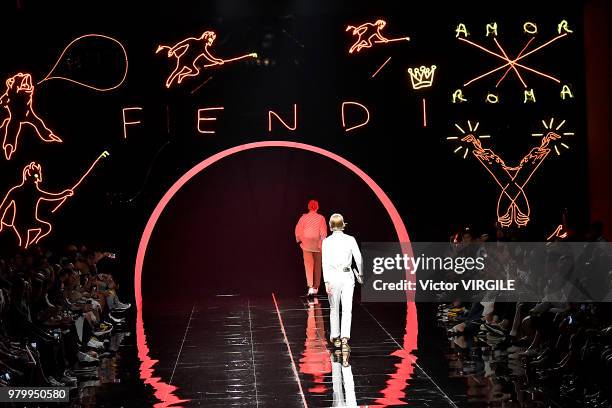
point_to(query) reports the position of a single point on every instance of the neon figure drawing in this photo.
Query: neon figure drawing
(512, 203)
(192, 54)
(18, 102)
(21, 210)
(369, 34)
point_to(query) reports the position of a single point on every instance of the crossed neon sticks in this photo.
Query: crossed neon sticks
(512, 64)
(512, 203)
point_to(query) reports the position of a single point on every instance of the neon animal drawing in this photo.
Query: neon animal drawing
(192, 54)
(369, 34)
(18, 102)
(21, 209)
(512, 203)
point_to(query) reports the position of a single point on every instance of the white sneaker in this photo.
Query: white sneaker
(121, 306)
(310, 291)
(94, 343)
(116, 319)
(86, 358)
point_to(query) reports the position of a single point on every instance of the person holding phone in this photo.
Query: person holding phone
(339, 250)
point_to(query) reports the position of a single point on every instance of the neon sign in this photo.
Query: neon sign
(207, 118)
(512, 203)
(369, 34)
(21, 208)
(559, 233)
(515, 65)
(550, 126)
(381, 67)
(422, 77)
(132, 122)
(192, 54)
(95, 88)
(342, 113)
(18, 101)
(272, 113)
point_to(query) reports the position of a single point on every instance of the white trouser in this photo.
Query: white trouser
(340, 375)
(341, 295)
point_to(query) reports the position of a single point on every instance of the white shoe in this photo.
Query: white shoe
(121, 306)
(311, 291)
(86, 358)
(116, 319)
(94, 343)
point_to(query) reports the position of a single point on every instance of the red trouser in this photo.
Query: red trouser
(312, 265)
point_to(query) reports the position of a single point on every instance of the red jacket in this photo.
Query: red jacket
(310, 231)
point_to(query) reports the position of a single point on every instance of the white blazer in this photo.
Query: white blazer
(338, 251)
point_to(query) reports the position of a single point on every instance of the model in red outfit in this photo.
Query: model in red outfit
(310, 231)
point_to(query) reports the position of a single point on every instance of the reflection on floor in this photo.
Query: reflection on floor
(244, 351)
(234, 351)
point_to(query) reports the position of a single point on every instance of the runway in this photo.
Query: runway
(272, 352)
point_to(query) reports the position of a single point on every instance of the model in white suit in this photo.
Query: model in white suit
(338, 252)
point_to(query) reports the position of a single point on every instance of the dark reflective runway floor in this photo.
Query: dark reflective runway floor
(227, 351)
(238, 351)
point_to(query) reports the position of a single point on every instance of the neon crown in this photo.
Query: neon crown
(422, 77)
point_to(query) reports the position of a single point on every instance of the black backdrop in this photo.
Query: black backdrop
(305, 45)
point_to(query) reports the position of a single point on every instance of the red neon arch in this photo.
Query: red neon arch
(164, 391)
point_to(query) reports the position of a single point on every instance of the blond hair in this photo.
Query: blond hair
(336, 222)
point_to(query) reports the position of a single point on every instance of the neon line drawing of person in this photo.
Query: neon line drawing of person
(20, 208)
(369, 34)
(512, 203)
(17, 100)
(193, 54)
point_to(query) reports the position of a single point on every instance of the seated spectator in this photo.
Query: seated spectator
(57, 315)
